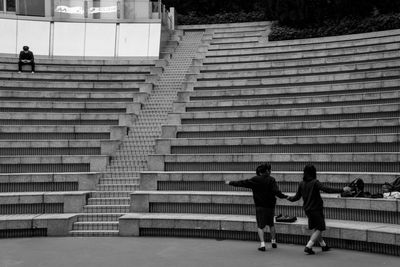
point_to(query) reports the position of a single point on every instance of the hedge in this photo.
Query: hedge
(347, 25)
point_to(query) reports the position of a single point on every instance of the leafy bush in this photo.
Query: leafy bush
(194, 18)
(347, 25)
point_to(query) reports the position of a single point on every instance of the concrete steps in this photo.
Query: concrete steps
(288, 103)
(132, 155)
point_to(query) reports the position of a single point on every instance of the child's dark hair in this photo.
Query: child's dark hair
(310, 172)
(263, 168)
(25, 48)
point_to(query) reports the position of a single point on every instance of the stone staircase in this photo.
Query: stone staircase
(330, 101)
(112, 198)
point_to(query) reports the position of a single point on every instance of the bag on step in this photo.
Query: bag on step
(287, 219)
(392, 187)
(357, 189)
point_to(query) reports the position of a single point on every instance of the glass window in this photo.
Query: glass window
(31, 8)
(1, 5)
(10, 5)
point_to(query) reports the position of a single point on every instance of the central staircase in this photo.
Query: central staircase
(112, 198)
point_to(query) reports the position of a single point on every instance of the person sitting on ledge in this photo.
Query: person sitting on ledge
(26, 58)
(265, 190)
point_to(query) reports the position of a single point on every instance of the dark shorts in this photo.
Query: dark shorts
(264, 217)
(316, 220)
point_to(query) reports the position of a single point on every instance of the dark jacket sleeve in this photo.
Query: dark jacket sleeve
(297, 196)
(20, 55)
(248, 183)
(326, 189)
(276, 190)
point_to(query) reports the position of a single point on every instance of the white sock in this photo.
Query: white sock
(322, 243)
(262, 244)
(310, 244)
(273, 241)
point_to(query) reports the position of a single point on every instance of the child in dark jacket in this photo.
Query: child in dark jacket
(265, 190)
(26, 57)
(309, 189)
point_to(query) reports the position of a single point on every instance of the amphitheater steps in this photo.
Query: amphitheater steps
(241, 203)
(48, 182)
(220, 131)
(287, 181)
(132, 155)
(371, 237)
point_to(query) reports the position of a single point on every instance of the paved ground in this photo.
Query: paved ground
(174, 252)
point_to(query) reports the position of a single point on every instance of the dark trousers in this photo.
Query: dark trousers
(20, 63)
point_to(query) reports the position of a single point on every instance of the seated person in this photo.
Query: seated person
(26, 57)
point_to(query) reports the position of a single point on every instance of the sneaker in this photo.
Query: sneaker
(33, 72)
(326, 248)
(274, 245)
(309, 251)
(261, 248)
(19, 72)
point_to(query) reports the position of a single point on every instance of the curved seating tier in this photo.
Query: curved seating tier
(59, 128)
(330, 101)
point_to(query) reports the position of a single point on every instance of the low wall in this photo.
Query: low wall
(81, 38)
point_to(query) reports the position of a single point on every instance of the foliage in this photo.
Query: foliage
(193, 18)
(306, 12)
(330, 27)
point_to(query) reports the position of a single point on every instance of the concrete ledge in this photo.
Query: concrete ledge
(56, 224)
(78, 77)
(148, 180)
(107, 147)
(72, 201)
(335, 63)
(287, 112)
(341, 87)
(86, 181)
(251, 101)
(299, 80)
(131, 223)
(140, 201)
(279, 157)
(170, 131)
(82, 85)
(97, 163)
(89, 96)
(163, 146)
(115, 132)
(43, 67)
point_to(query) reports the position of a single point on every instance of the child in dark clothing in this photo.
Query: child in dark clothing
(26, 57)
(309, 189)
(265, 190)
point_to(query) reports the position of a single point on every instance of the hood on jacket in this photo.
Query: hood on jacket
(310, 173)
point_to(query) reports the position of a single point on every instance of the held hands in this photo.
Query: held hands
(346, 189)
(227, 182)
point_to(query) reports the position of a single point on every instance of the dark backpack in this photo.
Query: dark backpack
(394, 186)
(286, 218)
(357, 189)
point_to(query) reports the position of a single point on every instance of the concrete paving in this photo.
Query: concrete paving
(176, 252)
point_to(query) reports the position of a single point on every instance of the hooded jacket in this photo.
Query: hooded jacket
(264, 189)
(309, 189)
(26, 56)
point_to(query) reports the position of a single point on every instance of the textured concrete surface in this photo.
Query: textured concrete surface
(177, 252)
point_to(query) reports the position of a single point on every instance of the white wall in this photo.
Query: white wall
(8, 33)
(133, 38)
(34, 34)
(69, 39)
(80, 39)
(100, 39)
(154, 40)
